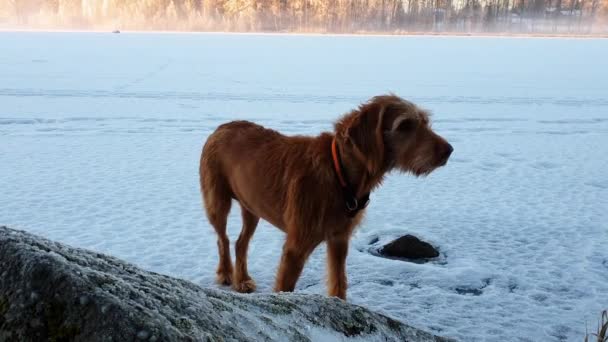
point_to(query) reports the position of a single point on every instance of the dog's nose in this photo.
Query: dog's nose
(449, 151)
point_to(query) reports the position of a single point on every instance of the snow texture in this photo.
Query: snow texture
(52, 292)
(100, 137)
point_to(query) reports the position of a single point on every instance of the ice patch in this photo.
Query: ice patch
(519, 212)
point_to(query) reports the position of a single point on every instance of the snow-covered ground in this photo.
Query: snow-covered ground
(100, 137)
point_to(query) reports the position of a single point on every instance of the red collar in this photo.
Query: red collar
(353, 204)
(337, 163)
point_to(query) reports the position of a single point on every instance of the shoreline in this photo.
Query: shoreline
(329, 34)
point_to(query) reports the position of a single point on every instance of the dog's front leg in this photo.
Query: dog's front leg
(295, 252)
(337, 249)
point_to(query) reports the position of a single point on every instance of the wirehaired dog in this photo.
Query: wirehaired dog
(314, 189)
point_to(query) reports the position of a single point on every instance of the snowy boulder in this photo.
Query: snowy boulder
(49, 291)
(409, 247)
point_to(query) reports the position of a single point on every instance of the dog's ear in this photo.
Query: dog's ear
(403, 124)
(366, 134)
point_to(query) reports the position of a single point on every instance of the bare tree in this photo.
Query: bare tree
(574, 16)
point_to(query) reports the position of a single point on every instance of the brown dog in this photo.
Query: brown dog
(312, 188)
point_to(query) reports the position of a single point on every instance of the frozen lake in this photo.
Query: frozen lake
(100, 138)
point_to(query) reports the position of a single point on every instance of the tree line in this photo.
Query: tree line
(338, 16)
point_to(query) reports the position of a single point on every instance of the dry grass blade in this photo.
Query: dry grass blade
(602, 329)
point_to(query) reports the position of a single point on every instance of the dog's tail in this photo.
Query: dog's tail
(214, 186)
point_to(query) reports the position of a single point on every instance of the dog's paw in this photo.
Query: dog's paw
(245, 286)
(224, 278)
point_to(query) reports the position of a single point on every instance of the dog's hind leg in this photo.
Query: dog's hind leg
(217, 198)
(218, 219)
(241, 280)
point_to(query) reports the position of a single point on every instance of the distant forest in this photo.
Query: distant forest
(339, 16)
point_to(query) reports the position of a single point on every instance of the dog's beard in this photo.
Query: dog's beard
(423, 172)
(419, 167)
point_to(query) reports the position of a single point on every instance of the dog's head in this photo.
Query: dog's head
(388, 133)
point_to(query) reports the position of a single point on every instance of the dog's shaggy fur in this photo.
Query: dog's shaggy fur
(291, 183)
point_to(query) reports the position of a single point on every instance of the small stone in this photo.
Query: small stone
(104, 309)
(34, 296)
(143, 335)
(409, 247)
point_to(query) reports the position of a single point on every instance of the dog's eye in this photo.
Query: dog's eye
(407, 125)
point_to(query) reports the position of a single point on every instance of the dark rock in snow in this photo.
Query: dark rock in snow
(409, 247)
(52, 292)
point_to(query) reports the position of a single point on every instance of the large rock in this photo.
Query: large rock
(52, 292)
